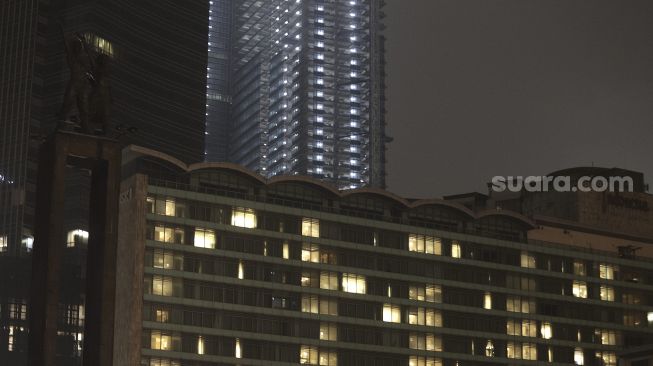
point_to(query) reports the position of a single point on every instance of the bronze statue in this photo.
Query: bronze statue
(88, 87)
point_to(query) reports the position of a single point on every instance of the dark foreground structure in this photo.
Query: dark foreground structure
(220, 266)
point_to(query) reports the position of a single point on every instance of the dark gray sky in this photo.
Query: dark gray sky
(478, 88)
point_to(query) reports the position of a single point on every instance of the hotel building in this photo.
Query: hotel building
(221, 266)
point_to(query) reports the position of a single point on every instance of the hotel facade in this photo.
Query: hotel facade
(220, 266)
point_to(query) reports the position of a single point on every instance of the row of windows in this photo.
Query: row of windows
(311, 227)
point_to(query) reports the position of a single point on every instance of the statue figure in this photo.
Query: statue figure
(88, 87)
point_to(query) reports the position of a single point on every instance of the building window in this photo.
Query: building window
(17, 309)
(489, 349)
(162, 286)
(328, 331)
(311, 227)
(165, 206)
(329, 280)
(309, 279)
(310, 252)
(238, 351)
(424, 244)
(579, 289)
(353, 283)
(529, 351)
(308, 355)
(4, 243)
(391, 313)
(527, 260)
(528, 328)
(546, 330)
(487, 301)
(204, 238)
(579, 358)
(162, 316)
(579, 268)
(456, 250)
(607, 293)
(160, 341)
(429, 293)
(243, 217)
(425, 342)
(607, 337)
(424, 316)
(286, 250)
(518, 304)
(200, 345)
(608, 358)
(319, 305)
(424, 361)
(606, 271)
(310, 304)
(168, 234)
(76, 237)
(166, 260)
(513, 327)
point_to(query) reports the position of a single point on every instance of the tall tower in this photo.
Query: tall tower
(157, 53)
(307, 87)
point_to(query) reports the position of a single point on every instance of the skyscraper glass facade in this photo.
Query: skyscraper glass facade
(308, 90)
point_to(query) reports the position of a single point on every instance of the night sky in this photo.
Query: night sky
(478, 88)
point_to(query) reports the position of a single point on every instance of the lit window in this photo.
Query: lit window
(513, 350)
(353, 283)
(607, 336)
(529, 328)
(608, 358)
(606, 271)
(308, 355)
(286, 250)
(328, 306)
(456, 251)
(160, 341)
(200, 345)
(489, 349)
(424, 361)
(607, 293)
(74, 238)
(519, 304)
(243, 217)
(4, 243)
(328, 280)
(162, 316)
(579, 358)
(310, 304)
(579, 268)
(238, 352)
(162, 286)
(423, 316)
(424, 244)
(529, 351)
(168, 234)
(328, 331)
(391, 313)
(546, 330)
(649, 317)
(425, 342)
(164, 260)
(204, 238)
(310, 252)
(513, 327)
(487, 301)
(430, 293)
(311, 227)
(241, 270)
(579, 289)
(527, 260)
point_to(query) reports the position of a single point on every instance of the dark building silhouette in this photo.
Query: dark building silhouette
(157, 65)
(305, 80)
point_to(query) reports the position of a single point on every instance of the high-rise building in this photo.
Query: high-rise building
(157, 67)
(240, 269)
(307, 89)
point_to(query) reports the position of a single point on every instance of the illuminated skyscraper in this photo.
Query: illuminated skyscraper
(307, 89)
